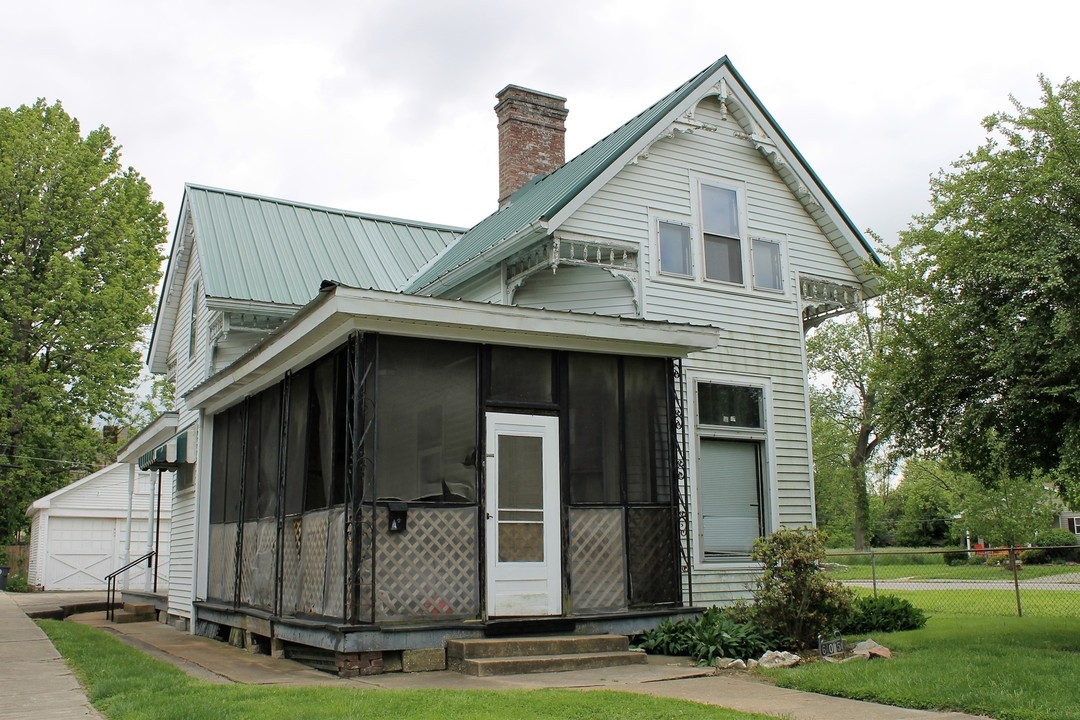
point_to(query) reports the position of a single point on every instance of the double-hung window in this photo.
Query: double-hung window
(721, 234)
(733, 499)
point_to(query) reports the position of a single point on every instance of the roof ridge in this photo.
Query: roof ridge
(325, 208)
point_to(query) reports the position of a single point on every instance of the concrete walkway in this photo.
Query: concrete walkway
(218, 662)
(34, 680)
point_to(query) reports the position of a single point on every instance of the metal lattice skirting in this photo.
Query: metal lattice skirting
(333, 597)
(364, 608)
(290, 565)
(313, 562)
(653, 579)
(430, 570)
(265, 552)
(247, 562)
(597, 560)
(228, 551)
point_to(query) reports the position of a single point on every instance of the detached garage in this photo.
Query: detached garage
(82, 532)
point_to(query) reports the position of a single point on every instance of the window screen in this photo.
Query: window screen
(426, 414)
(593, 405)
(520, 375)
(732, 513)
(675, 249)
(648, 430)
(767, 272)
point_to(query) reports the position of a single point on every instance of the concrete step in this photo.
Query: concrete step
(535, 645)
(138, 608)
(486, 667)
(126, 616)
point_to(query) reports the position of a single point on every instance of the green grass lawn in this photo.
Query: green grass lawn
(126, 684)
(941, 571)
(1007, 668)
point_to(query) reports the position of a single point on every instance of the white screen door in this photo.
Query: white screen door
(524, 573)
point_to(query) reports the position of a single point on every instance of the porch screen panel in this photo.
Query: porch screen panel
(219, 476)
(297, 441)
(648, 430)
(731, 512)
(521, 375)
(593, 404)
(269, 450)
(426, 413)
(235, 462)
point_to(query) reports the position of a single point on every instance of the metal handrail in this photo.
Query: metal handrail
(110, 583)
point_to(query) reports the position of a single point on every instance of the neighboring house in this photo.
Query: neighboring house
(585, 407)
(1069, 520)
(86, 530)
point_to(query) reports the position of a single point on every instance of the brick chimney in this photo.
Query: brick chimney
(532, 126)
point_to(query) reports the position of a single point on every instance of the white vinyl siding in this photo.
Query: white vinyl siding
(581, 289)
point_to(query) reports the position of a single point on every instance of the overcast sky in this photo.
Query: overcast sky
(387, 107)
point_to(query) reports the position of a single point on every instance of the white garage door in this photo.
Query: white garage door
(82, 551)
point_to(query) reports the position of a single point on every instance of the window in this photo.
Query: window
(766, 260)
(731, 445)
(194, 318)
(675, 251)
(721, 234)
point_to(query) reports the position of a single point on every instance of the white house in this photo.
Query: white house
(583, 409)
(86, 530)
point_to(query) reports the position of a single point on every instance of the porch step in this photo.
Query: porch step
(512, 656)
(135, 612)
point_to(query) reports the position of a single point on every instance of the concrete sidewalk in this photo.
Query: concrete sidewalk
(663, 677)
(35, 682)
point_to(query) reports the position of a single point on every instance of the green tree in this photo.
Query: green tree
(927, 500)
(79, 260)
(986, 367)
(849, 435)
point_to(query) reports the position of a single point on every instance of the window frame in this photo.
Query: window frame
(690, 254)
(763, 436)
(781, 265)
(697, 208)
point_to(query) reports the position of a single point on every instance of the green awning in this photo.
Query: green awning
(168, 455)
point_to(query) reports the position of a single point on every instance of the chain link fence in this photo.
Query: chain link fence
(1042, 582)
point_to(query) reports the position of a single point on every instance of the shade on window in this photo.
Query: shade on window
(731, 499)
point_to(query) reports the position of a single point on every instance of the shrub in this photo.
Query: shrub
(885, 613)
(956, 557)
(717, 633)
(670, 637)
(1035, 556)
(17, 583)
(794, 599)
(1061, 545)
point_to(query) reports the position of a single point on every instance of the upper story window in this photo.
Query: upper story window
(717, 247)
(194, 318)
(721, 234)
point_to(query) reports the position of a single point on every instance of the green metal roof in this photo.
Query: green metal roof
(275, 251)
(545, 197)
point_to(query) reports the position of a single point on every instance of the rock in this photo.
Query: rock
(856, 658)
(868, 649)
(730, 664)
(737, 665)
(774, 659)
(752, 664)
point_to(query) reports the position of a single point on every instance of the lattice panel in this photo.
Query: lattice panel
(247, 563)
(653, 563)
(364, 607)
(290, 565)
(521, 542)
(333, 600)
(313, 562)
(262, 594)
(431, 569)
(228, 572)
(215, 582)
(597, 560)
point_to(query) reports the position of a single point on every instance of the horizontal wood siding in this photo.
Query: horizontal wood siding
(761, 332)
(581, 289)
(486, 287)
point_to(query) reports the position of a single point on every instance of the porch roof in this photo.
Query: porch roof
(339, 310)
(150, 437)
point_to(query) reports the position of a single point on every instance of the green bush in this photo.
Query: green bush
(1061, 545)
(884, 613)
(713, 635)
(1035, 556)
(16, 582)
(956, 557)
(794, 599)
